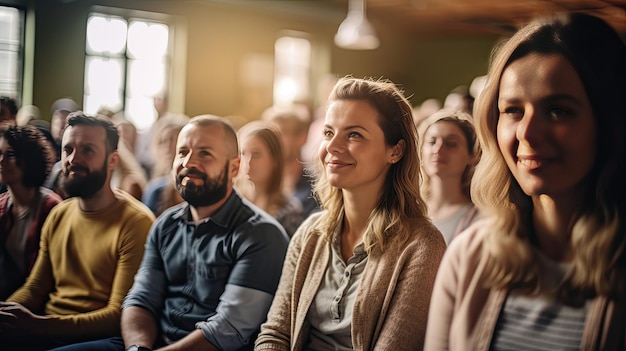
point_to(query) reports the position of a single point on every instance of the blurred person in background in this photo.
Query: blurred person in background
(160, 192)
(8, 109)
(449, 152)
(26, 159)
(260, 175)
(293, 122)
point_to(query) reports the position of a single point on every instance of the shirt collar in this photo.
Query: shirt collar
(220, 217)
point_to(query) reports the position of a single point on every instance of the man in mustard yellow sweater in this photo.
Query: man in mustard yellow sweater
(91, 247)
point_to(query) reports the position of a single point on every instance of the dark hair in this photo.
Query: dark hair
(11, 103)
(81, 119)
(33, 153)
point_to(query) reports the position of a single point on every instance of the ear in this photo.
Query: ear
(114, 159)
(234, 167)
(396, 152)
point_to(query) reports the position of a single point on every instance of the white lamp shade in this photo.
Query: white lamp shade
(355, 32)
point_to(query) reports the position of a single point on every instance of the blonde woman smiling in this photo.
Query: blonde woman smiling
(358, 275)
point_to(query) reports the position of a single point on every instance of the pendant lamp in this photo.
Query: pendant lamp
(355, 32)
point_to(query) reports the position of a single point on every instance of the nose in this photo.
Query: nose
(334, 145)
(529, 127)
(70, 158)
(437, 146)
(188, 160)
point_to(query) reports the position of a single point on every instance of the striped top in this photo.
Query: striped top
(532, 323)
(540, 322)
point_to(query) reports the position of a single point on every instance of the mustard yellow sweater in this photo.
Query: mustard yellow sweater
(86, 265)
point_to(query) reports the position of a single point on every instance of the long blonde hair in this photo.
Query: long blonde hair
(400, 205)
(598, 229)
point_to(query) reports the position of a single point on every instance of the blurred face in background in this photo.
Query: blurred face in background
(444, 152)
(166, 143)
(256, 160)
(5, 113)
(57, 124)
(10, 173)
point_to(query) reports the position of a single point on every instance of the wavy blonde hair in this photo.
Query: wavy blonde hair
(598, 229)
(400, 205)
(464, 122)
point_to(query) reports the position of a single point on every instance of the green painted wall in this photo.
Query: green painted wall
(220, 36)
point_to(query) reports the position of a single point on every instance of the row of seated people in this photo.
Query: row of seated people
(368, 271)
(259, 144)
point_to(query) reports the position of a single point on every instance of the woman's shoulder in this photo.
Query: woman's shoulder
(423, 239)
(469, 247)
(311, 226)
(423, 231)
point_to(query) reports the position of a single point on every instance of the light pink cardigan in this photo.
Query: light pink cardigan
(463, 313)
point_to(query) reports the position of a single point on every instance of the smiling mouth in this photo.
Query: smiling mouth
(336, 164)
(530, 164)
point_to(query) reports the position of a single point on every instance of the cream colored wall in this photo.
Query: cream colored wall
(220, 37)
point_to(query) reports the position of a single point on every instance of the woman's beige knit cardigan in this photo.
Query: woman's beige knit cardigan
(391, 307)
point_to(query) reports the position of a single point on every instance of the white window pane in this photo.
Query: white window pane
(104, 83)
(9, 25)
(140, 111)
(8, 72)
(10, 48)
(106, 35)
(147, 40)
(145, 77)
(93, 103)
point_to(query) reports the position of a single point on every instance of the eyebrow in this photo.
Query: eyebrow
(549, 98)
(348, 127)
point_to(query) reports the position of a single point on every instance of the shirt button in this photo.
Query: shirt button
(337, 298)
(347, 274)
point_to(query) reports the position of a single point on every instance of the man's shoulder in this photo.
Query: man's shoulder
(260, 226)
(246, 216)
(133, 207)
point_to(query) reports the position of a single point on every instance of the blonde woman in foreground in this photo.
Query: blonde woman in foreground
(358, 275)
(547, 268)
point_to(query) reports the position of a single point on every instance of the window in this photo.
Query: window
(127, 63)
(292, 61)
(11, 51)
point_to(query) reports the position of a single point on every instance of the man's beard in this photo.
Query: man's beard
(83, 186)
(208, 193)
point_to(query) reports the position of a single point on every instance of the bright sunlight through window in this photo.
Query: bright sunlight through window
(11, 47)
(291, 70)
(127, 64)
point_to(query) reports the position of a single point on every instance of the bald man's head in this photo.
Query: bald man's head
(230, 136)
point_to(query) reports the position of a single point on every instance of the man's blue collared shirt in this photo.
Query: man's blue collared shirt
(219, 275)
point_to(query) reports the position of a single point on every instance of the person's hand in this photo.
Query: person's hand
(16, 319)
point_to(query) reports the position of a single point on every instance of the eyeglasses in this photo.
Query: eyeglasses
(8, 155)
